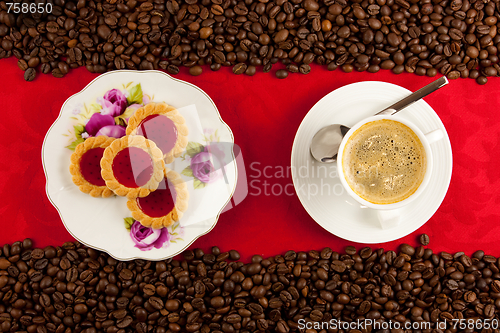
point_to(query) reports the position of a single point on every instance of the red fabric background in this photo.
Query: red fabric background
(264, 114)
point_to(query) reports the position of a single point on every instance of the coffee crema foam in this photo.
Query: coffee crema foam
(384, 161)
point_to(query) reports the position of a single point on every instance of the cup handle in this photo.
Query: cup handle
(434, 136)
(388, 218)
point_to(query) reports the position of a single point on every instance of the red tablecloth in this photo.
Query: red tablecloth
(264, 114)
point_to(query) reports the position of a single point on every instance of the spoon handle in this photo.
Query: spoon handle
(421, 93)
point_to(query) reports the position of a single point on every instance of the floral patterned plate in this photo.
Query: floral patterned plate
(103, 107)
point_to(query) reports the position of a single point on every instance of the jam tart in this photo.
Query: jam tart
(162, 124)
(85, 166)
(132, 166)
(164, 206)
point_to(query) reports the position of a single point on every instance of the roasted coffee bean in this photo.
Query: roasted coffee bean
(125, 322)
(195, 70)
(338, 266)
(305, 69)
(407, 249)
(350, 250)
(453, 75)
(156, 302)
(424, 239)
(173, 69)
(251, 70)
(29, 75)
(281, 74)
(234, 255)
(149, 290)
(239, 68)
(22, 64)
(56, 72)
(45, 68)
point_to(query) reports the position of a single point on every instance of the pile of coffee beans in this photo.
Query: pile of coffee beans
(457, 38)
(77, 289)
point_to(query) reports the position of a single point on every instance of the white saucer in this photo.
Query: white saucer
(318, 186)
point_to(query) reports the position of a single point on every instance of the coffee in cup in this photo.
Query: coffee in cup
(384, 161)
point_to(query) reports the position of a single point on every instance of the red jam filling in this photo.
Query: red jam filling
(160, 202)
(159, 129)
(132, 167)
(90, 166)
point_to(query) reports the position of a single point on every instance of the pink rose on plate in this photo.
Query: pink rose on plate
(203, 168)
(147, 238)
(98, 121)
(113, 103)
(100, 124)
(112, 131)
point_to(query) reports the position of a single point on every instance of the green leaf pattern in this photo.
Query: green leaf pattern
(135, 95)
(194, 148)
(187, 172)
(128, 222)
(75, 143)
(198, 184)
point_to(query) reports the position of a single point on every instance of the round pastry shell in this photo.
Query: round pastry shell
(75, 170)
(170, 112)
(147, 146)
(181, 204)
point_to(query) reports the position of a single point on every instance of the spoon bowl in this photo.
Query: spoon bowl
(327, 142)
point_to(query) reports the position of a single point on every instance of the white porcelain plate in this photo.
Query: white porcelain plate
(100, 222)
(318, 186)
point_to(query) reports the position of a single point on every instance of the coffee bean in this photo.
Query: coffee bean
(281, 74)
(173, 69)
(305, 69)
(338, 266)
(29, 74)
(251, 70)
(267, 68)
(234, 255)
(149, 289)
(239, 68)
(195, 70)
(22, 64)
(45, 300)
(4, 263)
(56, 72)
(424, 239)
(156, 302)
(350, 250)
(453, 75)
(45, 68)
(399, 261)
(215, 251)
(407, 249)
(125, 322)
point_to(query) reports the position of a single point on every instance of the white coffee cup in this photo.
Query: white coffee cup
(388, 214)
